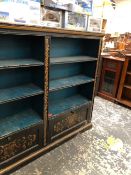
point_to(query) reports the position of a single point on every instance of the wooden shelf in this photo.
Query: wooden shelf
(127, 86)
(19, 121)
(16, 63)
(69, 82)
(19, 92)
(60, 106)
(40, 29)
(73, 59)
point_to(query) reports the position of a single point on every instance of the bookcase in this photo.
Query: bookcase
(124, 92)
(47, 83)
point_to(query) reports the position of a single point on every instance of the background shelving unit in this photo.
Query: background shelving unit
(124, 93)
(111, 69)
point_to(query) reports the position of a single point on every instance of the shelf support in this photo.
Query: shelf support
(46, 85)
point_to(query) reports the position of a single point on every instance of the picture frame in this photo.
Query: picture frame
(75, 21)
(51, 18)
(94, 24)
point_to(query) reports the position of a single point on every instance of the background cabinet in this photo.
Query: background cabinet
(124, 93)
(110, 77)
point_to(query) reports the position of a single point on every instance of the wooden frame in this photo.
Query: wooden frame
(122, 83)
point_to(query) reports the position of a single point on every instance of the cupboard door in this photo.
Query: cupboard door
(63, 123)
(15, 146)
(108, 82)
(110, 77)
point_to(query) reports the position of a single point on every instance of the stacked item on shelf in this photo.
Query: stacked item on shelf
(72, 14)
(34, 12)
(75, 21)
(20, 12)
(51, 18)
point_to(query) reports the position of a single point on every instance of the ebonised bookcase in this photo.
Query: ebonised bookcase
(47, 83)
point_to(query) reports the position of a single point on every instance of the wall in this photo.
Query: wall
(120, 22)
(118, 19)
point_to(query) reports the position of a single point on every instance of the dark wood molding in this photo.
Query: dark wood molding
(7, 28)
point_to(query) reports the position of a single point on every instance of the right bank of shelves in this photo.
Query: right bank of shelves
(72, 73)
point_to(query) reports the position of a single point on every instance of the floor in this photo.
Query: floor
(103, 150)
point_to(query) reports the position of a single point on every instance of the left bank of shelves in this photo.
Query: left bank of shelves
(21, 82)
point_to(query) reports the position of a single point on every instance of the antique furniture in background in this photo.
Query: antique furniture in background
(124, 93)
(110, 76)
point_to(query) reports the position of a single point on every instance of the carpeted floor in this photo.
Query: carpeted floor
(103, 150)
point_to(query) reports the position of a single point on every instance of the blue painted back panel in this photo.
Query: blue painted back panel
(65, 47)
(87, 90)
(20, 114)
(64, 93)
(91, 47)
(13, 46)
(14, 107)
(16, 77)
(89, 68)
(64, 70)
(38, 105)
(9, 109)
(18, 121)
(61, 47)
(67, 70)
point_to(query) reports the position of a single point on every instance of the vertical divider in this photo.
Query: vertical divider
(96, 82)
(46, 84)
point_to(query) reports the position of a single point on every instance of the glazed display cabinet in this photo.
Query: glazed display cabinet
(47, 85)
(110, 77)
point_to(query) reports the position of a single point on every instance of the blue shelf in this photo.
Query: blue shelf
(69, 82)
(15, 63)
(19, 92)
(73, 59)
(60, 106)
(19, 121)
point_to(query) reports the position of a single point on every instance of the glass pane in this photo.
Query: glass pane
(108, 83)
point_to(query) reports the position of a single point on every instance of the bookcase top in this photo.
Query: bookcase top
(41, 31)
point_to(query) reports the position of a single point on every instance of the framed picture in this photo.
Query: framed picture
(51, 18)
(58, 4)
(94, 24)
(87, 5)
(75, 21)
